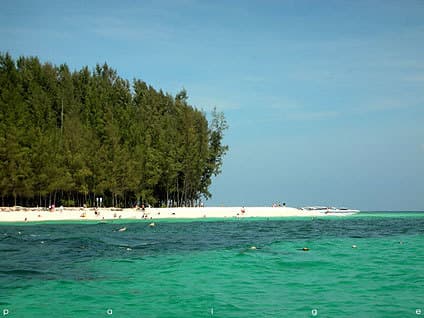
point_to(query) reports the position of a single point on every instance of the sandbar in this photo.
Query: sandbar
(21, 214)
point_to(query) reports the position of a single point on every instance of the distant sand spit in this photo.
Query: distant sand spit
(20, 214)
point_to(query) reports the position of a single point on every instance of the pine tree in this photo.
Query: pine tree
(68, 137)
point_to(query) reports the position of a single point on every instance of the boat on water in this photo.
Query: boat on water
(329, 210)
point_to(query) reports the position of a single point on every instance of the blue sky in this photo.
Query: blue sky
(325, 99)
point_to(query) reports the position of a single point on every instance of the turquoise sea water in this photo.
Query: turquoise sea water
(198, 268)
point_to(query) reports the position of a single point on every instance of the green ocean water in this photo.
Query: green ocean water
(198, 268)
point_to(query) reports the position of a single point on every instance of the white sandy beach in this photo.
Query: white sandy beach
(19, 214)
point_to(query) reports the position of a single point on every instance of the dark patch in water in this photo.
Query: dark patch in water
(59, 248)
(22, 272)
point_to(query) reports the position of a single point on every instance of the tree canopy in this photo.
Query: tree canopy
(70, 137)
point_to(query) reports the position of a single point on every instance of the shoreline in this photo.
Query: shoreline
(20, 214)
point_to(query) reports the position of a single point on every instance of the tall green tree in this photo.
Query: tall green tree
(69, 137)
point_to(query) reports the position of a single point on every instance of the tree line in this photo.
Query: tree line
(70, 137)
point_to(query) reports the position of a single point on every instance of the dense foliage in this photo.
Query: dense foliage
(70, 137)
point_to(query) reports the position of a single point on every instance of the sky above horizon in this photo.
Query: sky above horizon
(324, 99)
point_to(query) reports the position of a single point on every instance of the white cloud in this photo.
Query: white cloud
(207, 104)
(312, 115)
(117, 28)
(390, 104)
(284, 103)
(416, 78)
(254, 79)
(292, 109)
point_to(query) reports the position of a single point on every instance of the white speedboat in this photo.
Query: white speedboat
(341, 210)
(329, 210)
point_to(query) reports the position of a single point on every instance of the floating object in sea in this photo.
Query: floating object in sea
(129, 249)
(122, 230)
(305, 249)
(354, 246)
(152, 224)
(253, 248)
